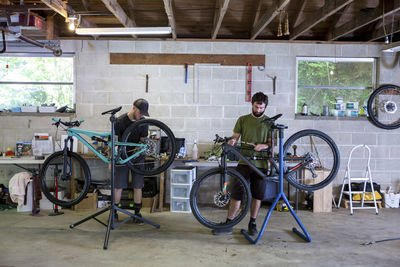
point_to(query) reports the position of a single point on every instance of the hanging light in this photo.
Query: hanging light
(72, 19)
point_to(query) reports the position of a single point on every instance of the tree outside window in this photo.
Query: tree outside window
(321, 80)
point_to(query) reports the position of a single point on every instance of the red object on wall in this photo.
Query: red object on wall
(249, 81)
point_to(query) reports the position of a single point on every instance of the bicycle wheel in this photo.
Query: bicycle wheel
(319, 158)
(72, 183)
(384, 107)
(209, 199)
(150, 160)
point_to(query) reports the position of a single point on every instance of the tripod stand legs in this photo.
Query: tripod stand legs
(303, 235)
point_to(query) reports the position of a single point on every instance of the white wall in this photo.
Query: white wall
(101, 86)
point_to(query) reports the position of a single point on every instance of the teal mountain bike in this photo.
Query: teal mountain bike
(67, 172)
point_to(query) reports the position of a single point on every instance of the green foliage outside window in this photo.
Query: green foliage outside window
(36, 81)
(320, 81)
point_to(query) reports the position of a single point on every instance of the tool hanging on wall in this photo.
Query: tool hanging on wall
(147, 83)
(186, 71)
(249, 81)
(273, 83)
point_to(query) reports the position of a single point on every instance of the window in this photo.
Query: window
(321, 80)
(36, 81)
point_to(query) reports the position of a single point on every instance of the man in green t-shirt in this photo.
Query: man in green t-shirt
(250, 130)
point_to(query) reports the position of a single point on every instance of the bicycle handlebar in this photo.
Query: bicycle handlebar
(219, 139)
(67, 123)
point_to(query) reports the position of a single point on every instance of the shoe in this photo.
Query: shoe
(115, 215)
(138, 222)
(252, 228)
(225, 231)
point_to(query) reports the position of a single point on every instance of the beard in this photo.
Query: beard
(258, 114)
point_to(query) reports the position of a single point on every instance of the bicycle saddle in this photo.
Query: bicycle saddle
(274, 118)
(112, 111)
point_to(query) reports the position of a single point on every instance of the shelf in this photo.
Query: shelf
(331, 118)
(38, 114)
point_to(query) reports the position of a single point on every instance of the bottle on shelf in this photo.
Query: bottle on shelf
(195, 151)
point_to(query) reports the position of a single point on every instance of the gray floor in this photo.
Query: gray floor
(181, 241)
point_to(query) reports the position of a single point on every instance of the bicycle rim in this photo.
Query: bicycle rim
(319, 157)
(72, 182)
(159, 148)
(384, 107)
(210, 203)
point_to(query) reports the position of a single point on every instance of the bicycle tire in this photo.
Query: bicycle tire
(384, 107)
(74, 189)
(206, 203)
(325, 159)
(150, 162)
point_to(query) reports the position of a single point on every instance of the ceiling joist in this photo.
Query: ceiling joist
(170, 15)
(267, 18)
(360, 21)
(329, 8)
(63, 9)
(119, 13)
(222, 7)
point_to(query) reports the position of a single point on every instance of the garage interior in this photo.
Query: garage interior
(196, 80)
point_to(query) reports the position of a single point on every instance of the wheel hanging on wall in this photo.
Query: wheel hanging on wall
(384, 107)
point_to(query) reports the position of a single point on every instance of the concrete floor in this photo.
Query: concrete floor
(181, 241)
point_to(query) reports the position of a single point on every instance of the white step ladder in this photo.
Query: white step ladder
(367, 178)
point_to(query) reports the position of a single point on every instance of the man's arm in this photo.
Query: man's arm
(260, 147)
(234, 140)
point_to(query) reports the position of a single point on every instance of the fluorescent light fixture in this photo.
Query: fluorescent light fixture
(123, 31)
(393, 47)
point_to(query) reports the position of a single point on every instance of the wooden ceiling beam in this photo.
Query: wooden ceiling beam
(381, 33)
(170, 14)
(301, 6)
(131, 8)
(86, 5)
(119, 13)
(337, 17)
(361, 21)
(267, 18)
(63, 9)
(258, 11)
(221, 8)
(329, 8)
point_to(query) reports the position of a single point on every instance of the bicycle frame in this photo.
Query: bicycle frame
(73, 132)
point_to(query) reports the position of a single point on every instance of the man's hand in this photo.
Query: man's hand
(260, 147)
(232, 142)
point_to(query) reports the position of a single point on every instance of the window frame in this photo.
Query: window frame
(41, 54)
(335, 60)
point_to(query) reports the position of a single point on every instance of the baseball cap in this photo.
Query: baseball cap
(142, 105)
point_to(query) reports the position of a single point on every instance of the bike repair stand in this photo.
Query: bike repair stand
(281, 194)
(113, 207)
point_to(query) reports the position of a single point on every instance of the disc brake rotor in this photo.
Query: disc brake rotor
(221, 200)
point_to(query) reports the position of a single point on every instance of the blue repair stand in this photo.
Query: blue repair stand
(280, 195)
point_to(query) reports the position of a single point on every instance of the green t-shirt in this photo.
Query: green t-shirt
(251, 130)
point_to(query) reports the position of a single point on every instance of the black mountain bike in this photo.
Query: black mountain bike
(311, 161)
(384, 107)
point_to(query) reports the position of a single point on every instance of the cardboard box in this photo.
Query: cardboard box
(88, 203)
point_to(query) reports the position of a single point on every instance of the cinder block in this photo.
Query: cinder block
(210, 111)
(183, 111)
(147, 47)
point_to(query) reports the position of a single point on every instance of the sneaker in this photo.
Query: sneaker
(225, 231)
(115, 215)
(252, 228)
(138, 222)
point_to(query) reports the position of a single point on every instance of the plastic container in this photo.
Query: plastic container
(391, 200)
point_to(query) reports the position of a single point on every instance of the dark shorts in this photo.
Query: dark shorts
(122, 178)
(258, 186)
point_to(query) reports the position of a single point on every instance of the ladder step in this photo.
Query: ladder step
(359, 179)
(354, 192)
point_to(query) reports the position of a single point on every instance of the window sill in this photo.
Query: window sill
(37, 114)
(332, 118)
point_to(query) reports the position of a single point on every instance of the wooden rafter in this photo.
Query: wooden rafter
(360, 21)
(267, 18)
(119, 13)
(381, 33)
(258, 11)
(222, 6)
(170, 14)
(337, 17)
(295, 19)
(63, 9)
(330, 8)
(131, 8)
(86, 5)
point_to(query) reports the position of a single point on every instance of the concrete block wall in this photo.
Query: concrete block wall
(101, 86)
